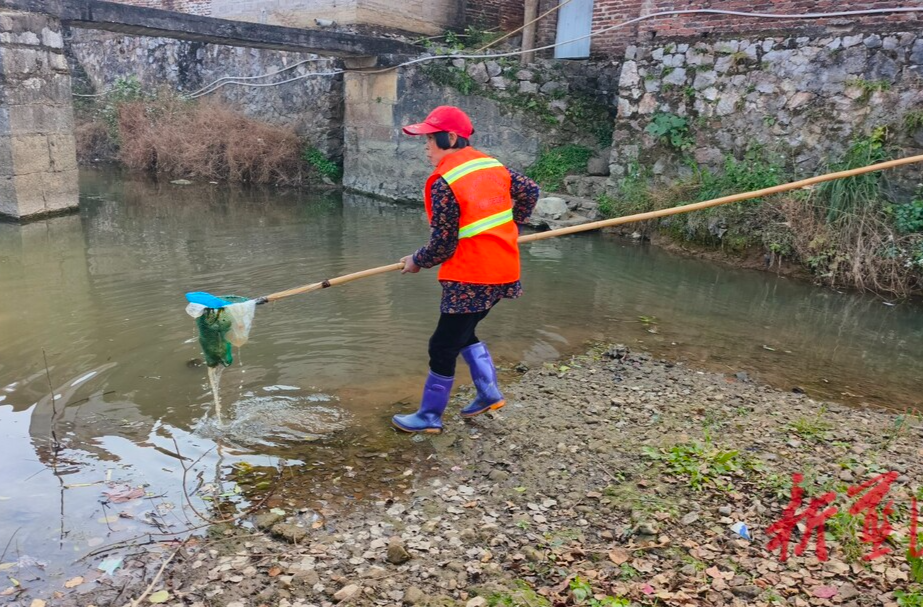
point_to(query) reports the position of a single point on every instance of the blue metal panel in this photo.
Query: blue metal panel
(575, 19)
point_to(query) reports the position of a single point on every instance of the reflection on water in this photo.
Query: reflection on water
(99, 296)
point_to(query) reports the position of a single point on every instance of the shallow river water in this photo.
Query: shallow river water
(101, 387)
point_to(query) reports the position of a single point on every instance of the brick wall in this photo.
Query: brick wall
(701, 26)
(507, 15)
(195, 7)
(487, 14)
(546, 28)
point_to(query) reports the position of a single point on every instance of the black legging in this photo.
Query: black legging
(454, 332)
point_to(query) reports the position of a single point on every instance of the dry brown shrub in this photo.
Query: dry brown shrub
(859, 250)
(94, 142)
(206, 140)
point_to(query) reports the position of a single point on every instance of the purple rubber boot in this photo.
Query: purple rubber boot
(428, 418)
(484, 375)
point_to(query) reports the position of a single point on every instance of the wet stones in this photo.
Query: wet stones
(414, 596)
(397, 553)
(289, 532)
(568, 506)
(690, 518)
(478, 71)
(266, 520)
(647, 528)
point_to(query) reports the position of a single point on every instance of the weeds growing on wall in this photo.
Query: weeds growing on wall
(913, 120)
(736, 226)
(868, 87)
(756, 170)
(124, 90)
(591, 117)
(446, 75)
(671, 129)
(473, 37)
(96, 130)
(846, 197)
(908, 218)
(635, 196)
(582, 114)
(733, 226)
(555, 163)
(323, 165)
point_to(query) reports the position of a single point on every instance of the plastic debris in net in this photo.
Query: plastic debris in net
(195, 309)
(241, 315)
(222, 328)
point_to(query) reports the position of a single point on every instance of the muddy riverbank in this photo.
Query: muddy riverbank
(609, 473)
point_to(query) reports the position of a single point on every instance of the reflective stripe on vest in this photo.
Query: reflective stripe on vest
(469, 167)
(488, 223)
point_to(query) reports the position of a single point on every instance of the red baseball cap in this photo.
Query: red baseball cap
(443, 118)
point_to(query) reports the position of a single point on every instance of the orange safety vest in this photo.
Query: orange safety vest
(487, 251)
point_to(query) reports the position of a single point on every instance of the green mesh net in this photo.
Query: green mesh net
(222, 328)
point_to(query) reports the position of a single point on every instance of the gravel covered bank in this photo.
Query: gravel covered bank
(608, 479)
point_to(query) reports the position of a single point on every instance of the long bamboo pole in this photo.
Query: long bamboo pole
(606, 223)
(332, 282)
(785, 187)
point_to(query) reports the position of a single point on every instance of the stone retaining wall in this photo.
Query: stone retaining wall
(806, 99)
(515, 111)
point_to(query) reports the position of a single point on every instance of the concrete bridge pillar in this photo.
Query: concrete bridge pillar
(38, 160)
(370, 136)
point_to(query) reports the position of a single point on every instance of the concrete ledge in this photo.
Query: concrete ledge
(6, 218)
(125, 19)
